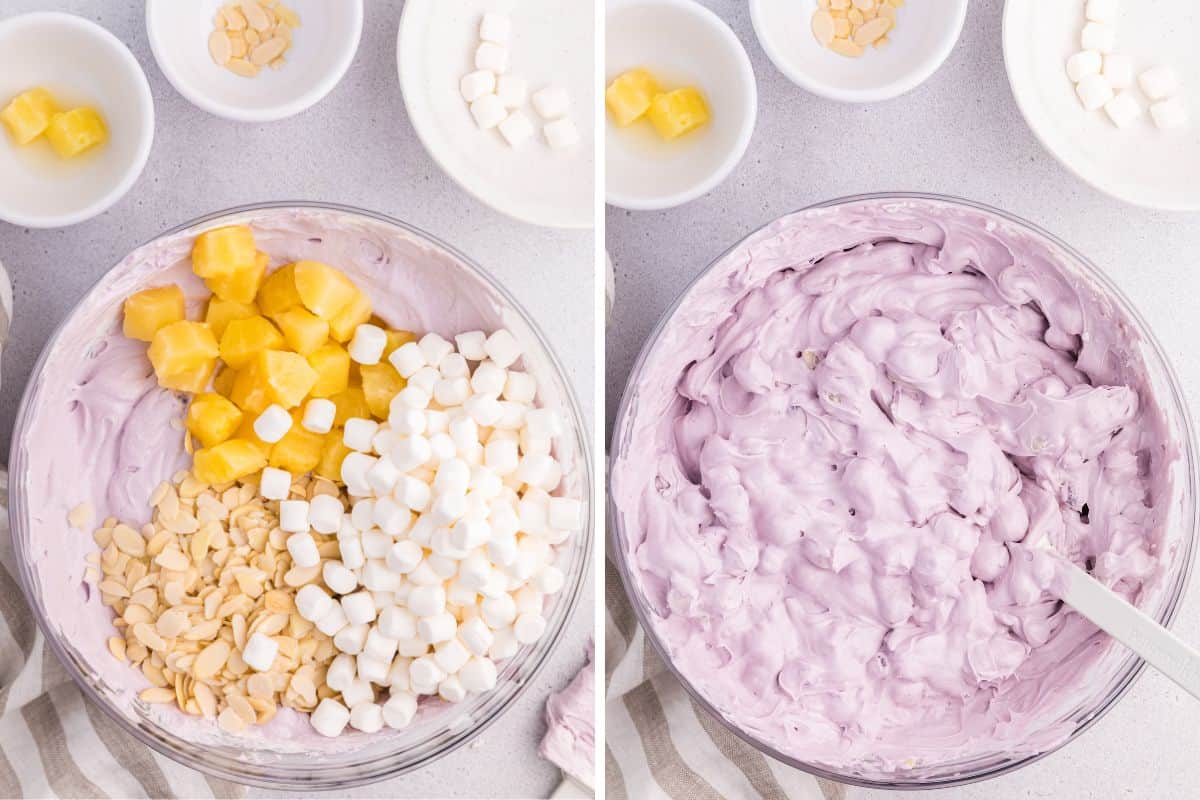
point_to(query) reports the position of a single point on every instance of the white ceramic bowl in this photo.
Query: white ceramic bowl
(644, 172)
(1138, 164)
(553, 42)
(925, 33)
(321, 52)
(81, 63)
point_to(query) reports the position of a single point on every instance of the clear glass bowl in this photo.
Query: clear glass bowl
(1119, 668)
(371, 758)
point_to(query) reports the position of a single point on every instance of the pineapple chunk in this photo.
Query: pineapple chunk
(221, 312)
(303, 331)
(350, 404)
(241, 286)
(629, 96)
(212, 419)
(678, 112)
(193, 381)
(227, 462)
(224, 380)
(287, 376)
(245, 338)
(72, 132)
(278, 292)
(245, 432)
(332, 363)
(28, 115)
(380, 383)
(323, 290)
(249, 391)
(333, 453)
(183, 347)
(222, 252)
(148, 311)
(299, 451)
(355, 313)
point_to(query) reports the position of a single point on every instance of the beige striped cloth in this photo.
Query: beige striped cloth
(659, 744)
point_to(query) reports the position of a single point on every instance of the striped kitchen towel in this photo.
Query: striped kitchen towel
(659, 744)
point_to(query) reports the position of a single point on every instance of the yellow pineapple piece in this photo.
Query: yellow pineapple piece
(72, 132)
(212, 419)
(678, 112)
(221, 312)
(223, 382)
(350, 404)
(380, 383)
(245, 432)
(228, 461)
(222, 252)
(333, 453)
(303, 331)
(241, 286)
(629, 96)
(182, 347)
(193, 381)
(323, 290)
(278, 292)
(249, 391)
(288, 377)
(149, 310)
(299, 451)
(28, 115)
(353, 314)
(332, 364)
(245, 338)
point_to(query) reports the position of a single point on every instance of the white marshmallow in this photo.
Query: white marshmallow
(412, 493)
(493, 57)
(541, 471)
(502, 348)
(543, 423)
(359, 434)
(1094, 92)
(459, 595)
(399, 710)
(397, 677)
(451, 689)
(476, 84)
(512, 415)
(501, 457)
(424, 675)
(329, 718)
(259, 652)
(1123, 109)
(454, 366)
(488, 111)
(504, 646)
(564, 514)
(397, 623)
(426, 601)
(1159, 82)
(448, 508)
(404, 556)
(412, 647)
(451, 391)
(375, 543)
(451, 655)
(478, 675)
(1082, 64)
(351, 551)
(442, 447)
(333, 621)
(436, 421)
(371, 670)
(495, 28)
(434, 348)
(276, 484)
(489, 378)
(443, 566)
(464, 431)
(404, 421)
(325, 513)
(367, 717)
(392, 517)
(467, 534)
(359, 691)
(338, 578)
(516, 127)
(422, 530)
(377, 577)
(437, 628)
(407, 359)
(362, 515)
(351, 638)
(485, 409)
(1098, 36)
(359, 608)
(452, 476)
(520, 387)
(502, 549)
(514, 93)
(273, 424)
(552, 102)
(1118, 69)
(319, 414)
(1169, 114)
(549, 580)
(528, 600)
(423, 575)
(413, 396)
(354, 473)
(1102, 10)
(561, 134)
(425, 379)
(293, 515)
(368, 344)
(499, 611)
(476, 636)
(411, 452)
(341, 672)
(380, 647)
(528, 628)
(303, 550)
(470, 345)
(383, 600)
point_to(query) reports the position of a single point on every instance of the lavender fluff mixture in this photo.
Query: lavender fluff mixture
(570, 715)
(838, 464)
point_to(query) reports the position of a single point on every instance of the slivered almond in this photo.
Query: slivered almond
(220, 48)
(157, 694)
(172, 559)
(211, 660)
(268, 51)
(116, 646)
(240, 66)
(205, 699)
(230, 721)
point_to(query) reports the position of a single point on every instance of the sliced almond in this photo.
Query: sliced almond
(116, 646)
(269, 50)
(211, 660)
(869, 31)
(823, 27)
(230, 721)
(172, 559)
(255, 15)
(220, 48)
(240, 66)
(157, 694)
(205, 699)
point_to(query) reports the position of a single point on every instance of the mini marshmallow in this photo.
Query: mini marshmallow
(448, 508)
(425, 379)
(516, 127)
(368, 344)
(498, 612)
(552, 102)
(513, 92)
(470, 345)
(333, 621)
(485, 409)
(434, 348)
(465, 433)
(452, 476)
(541, 471)
(528, 600)
(502, 348)
(561, 134)
(467, 534)
(376, 577)
(476, 84)
(411, 452)
(351, 551)
(380, 647)
(495, 28)
(442, 566)
(459, 595)
(442, 447)
(329, 718)
(423, 575)
(351, 638)
(476, 636)
(1118, 69)
(549, 580)
(354, 473)
(424, 675)
(1094, 92)
(1082, 64)
(359, 691)
(412, 493)
(426, 601)
(485, 483)
(397, 677)
(493, 57)
(478, 675)
(1169, 114)
(504, 646)
(454, 366)
(375, 543)
(564, 514)
(293, 515)
(383, 600)
(528, 628)
(338, 577)
(1159, 82)
(341, 673)
(325, 513)
(1102, 10)
(303, 550)
(488, 111)
(412, 648)
(437, 628)
(404, 421)
(422, 530)
(404, 556)
(489, 379)
(502, 550)
(1098, 36)
(359, 434)
(501, 457)
(512, 416)
(259, 652)
(397, 623)
(451, 690)
(451, 391)
(543, 422)
(367, 717)
(371, 670)
(382, 476)
(319, 414)
(451, 655)
(362, 515)
(273, 424)
(276, 484)
(399, 710)
(1123, 109)
(408, 358)
(520, 387)
(359, 608)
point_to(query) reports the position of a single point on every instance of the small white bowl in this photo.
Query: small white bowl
(81, 63)
(924, 36)
(322, 50)
(644, 172)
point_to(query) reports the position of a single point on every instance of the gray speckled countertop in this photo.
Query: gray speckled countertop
(355, 147)
(960, 134)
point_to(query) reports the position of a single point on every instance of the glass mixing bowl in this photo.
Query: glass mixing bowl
(359, 758)
(1119, 668)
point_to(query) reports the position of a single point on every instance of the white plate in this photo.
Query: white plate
(552, 43)
(1139, 164)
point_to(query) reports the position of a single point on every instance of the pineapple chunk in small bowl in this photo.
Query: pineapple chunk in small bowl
(82, 70)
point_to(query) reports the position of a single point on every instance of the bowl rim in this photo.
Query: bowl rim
(902, 83)
(564, 610)
(1131, 666)
(269, 113)
(133, 68)
(746, 78)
